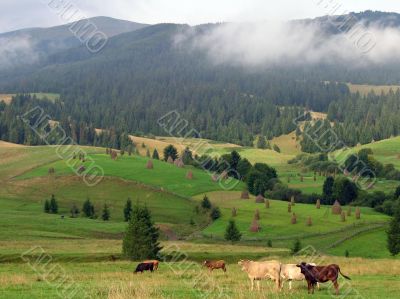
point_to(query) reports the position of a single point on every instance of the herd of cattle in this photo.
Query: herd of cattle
(274, 270)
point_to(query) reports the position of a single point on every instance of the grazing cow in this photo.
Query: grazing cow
(322, 274)
(154, 262)
(211, 265)
(257, 271)
(144, 267)
(291, 272)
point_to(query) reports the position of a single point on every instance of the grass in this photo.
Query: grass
(275, 222)
(364, 89)
(370, 279)
(164, 176)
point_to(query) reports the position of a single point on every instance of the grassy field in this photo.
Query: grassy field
(365, 89)
(80, 249)
(186, 279)
(164, 176)
(276, 222)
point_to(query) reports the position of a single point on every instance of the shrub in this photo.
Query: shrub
(269, 243)
(106, 213)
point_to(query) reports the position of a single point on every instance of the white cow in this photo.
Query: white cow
(291, 272)
(262, 270)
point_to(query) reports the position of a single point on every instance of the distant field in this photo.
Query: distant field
(40, 95)
(287, 144)
(365, 89)
(386, 151)
(276, 222)
(164, 175)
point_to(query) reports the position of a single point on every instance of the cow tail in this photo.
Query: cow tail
(344, 275)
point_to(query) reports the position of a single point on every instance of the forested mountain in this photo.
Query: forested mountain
(142, 74)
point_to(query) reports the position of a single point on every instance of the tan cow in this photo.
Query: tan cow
(291, 272)
(261, 270)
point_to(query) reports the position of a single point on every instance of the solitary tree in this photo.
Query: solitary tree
(155, 155)
(128, 210)
(232, 233)
(141, 237)
(53, 205)
(47, 206)
(393, 234)
(106, 213)
(215, 213)
(206, 204)
(170, 151)
(88, 209)
(74, 211)
(296, 246)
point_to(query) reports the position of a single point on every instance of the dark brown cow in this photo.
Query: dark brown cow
(154, 262)
(321, 274)
(211, 265)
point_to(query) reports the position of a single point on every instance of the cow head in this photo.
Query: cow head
(205, 263)
(305, 268)
(243, 264)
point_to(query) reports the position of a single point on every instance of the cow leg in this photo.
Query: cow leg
(309, 287)
(336, 285)
(318, 286)
(252, 284)
(258, 285)
(290, 285)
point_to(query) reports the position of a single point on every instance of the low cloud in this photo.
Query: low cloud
(16, 51)
(294, 43)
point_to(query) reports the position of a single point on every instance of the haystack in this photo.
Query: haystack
(149, 164)
(260, 199)
(245, 195)
(336, 208)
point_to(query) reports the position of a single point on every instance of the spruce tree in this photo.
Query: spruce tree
(53, 205)
(206, 204)
(141, 237)
(106, 213)
(88, 209)
(296, 246)
(393, 234)
(155, 155)
(47, 206)
(232, 233)
(74, 211)
(128, 210)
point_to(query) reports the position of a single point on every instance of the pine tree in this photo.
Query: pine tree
(88, 209)
(53, 205)
(206, 204)
(128, 210)
(393, 234)
(47, 206)
(261, 142)
(170, 152)
(232, 233)
(296, 246)
(106, 213)
(141, 237)
(215, 213)
(155, 155)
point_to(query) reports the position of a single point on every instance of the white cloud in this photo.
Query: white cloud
(290, 43)
(16, 51)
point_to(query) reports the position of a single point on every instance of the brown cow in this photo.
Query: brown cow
(211, 265)
(154, 262)
(321, 274)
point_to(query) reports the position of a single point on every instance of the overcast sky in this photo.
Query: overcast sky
(17, 14)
